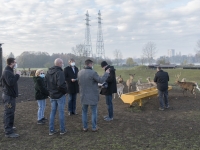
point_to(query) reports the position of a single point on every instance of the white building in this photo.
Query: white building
(171, 52)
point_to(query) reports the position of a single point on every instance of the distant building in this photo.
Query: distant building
(171, 52)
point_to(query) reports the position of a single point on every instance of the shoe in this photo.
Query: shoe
(75, 113)
(63, 132)
(104, 117)
(108, 119)
(167, 107)
(161, 109)
(95, 130)
(40, 122)
(44, 119)
(14, 128)
(53, 132)
(12, 135)
(85, 130)
(69, 113)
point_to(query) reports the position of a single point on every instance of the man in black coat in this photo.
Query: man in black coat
(71, 73)
(10, 92)
(162, 78)
(109, 89)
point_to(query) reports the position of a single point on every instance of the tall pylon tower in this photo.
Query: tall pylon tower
(100, 44)
(87, 42)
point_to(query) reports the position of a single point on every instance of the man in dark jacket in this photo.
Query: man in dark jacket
(71, 73)
(162, 78)
(10, 92)
(109, 90)
(55, 80)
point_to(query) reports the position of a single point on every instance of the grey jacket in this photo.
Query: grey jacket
(88, 82)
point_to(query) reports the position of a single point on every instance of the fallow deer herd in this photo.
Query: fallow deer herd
(183, 84)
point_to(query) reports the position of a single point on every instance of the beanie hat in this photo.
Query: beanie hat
(103, 64)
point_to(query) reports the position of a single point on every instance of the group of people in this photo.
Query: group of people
(56, 84)
(60, 82)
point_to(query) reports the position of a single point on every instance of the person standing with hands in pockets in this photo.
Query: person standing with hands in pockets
(71, 73)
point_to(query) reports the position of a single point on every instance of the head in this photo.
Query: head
(104, 64)
(40, 73)
(12, 62)
(58, 62)
(72, 62)
(159, 68)
(131, 76)
(89, 63)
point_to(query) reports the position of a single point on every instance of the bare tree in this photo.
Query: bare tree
(79, 50)
(149, 51)
(118, 56)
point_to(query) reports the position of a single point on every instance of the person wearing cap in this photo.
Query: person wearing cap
(109, 90)
(161, 78)
(89, 92)
(71, 73)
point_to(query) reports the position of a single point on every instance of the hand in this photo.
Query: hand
(73, 80)
(18, 72)
(108, 70)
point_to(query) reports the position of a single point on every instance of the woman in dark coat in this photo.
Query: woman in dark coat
(41, 94)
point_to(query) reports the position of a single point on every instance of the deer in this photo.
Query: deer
(149, 81)
(120, 88)
(119, 79)
(197, 86)
(141, 86)
(129, 82)
(186, 86)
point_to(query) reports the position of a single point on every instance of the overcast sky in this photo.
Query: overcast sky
(58, 25)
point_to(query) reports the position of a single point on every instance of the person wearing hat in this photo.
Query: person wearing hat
(109, 89)
(88, 80)
(161, 78)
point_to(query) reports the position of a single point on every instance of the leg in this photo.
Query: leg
(109, 105)
(84, 116)
(94, 116)
(166, 98)
(52, 114)
(70, 103)
(61, 109)
(160, 93)
(74, 104)
(40, 109)
(9, 112)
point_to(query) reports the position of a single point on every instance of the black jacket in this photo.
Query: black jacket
(111, 80)
(72, 87)
(40, 88)
(9, 82)
(161, 78)
(55, 81)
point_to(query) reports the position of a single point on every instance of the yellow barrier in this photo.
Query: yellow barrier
(131, 97)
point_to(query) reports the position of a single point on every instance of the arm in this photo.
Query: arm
(155, 78)
(61, 82)
(10, 78)
(67, 78)
(42, 88)
(111, 77)
(100, 79)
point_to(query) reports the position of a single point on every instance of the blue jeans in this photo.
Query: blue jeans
(72, 103)
(94, 116)
(41, 108)
(163, 98)
(109, 105)
(60, 104)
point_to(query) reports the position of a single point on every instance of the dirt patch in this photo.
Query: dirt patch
(132, 127)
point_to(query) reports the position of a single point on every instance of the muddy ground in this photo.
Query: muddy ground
(132, 127)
